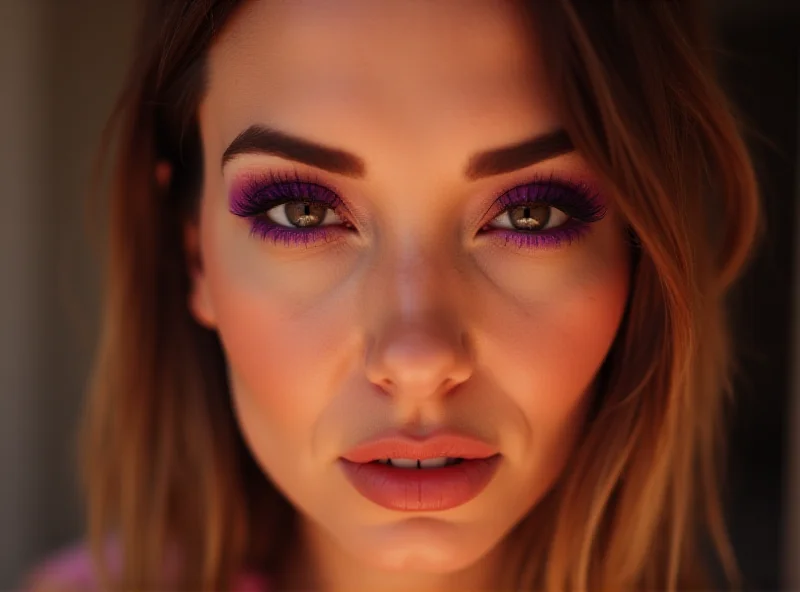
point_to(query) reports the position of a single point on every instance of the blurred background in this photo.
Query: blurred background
(61, 64)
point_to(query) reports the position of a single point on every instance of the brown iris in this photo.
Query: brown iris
(305, 214)
(529, 217)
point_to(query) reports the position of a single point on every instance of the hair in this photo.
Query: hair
(638, 506)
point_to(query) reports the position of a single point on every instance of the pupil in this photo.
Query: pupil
(303, 214)
(530, 217)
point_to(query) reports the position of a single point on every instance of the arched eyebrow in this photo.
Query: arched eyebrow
(518, 156)
(258, 139)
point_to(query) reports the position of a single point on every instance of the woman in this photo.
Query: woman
(416, 295)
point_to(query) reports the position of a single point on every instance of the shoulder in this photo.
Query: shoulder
(72, 568)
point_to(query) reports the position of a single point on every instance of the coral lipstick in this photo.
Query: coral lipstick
(435, 473)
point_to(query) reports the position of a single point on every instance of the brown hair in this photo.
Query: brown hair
(165, 467)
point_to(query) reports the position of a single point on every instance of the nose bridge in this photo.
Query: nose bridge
(414, 285)
(416, 279)
(417, 345)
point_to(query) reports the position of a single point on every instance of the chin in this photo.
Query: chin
(420, 545)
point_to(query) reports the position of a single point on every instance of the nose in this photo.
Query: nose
(419, 360)
(418, 347)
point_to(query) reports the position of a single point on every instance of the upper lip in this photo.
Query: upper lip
(403, 445)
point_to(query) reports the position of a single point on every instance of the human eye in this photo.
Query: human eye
(545, 213)
(288, 210)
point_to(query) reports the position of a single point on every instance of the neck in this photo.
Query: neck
(317, 562)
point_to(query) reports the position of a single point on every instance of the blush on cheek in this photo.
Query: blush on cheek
(270, 354)
(546, 352)
(284, 359)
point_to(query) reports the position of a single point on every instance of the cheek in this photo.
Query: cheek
(274, 321)
(552, 323)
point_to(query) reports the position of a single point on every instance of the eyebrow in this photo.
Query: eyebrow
(258, 139)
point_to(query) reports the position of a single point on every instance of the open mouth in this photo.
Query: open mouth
(432, 474)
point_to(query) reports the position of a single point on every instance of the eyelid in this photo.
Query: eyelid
(550, 183)
(578, 200)
(292, 174)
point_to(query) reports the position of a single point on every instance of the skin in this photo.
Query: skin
(412, 320)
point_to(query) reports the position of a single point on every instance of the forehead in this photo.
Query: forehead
(355, 72)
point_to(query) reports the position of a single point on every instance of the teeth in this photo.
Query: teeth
(404, 463)
(433, 463)
(413, 463)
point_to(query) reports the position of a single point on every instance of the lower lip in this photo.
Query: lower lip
(421, 490)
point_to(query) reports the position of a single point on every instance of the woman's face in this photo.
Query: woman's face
(445, 265)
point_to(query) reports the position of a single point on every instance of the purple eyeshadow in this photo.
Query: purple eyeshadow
(578, 201)
(254, 195)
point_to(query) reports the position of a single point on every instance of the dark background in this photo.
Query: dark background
(759, 62)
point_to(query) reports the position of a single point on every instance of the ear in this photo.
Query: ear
(199, 297)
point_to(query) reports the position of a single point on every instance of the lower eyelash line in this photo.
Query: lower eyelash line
(560, 237)
(280, 235)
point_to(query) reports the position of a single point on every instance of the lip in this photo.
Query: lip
(434, 489)
(400, 445)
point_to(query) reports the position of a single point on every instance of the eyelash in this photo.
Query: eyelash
(256, 195)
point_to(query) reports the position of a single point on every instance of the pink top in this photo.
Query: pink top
(72, 568)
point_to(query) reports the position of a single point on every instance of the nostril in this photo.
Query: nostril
(422, 361)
